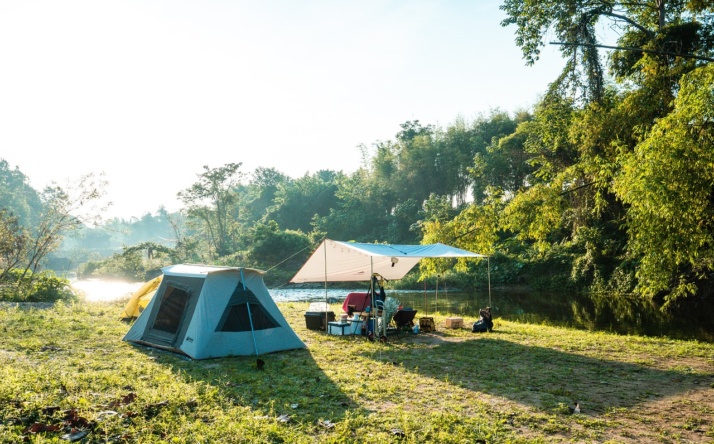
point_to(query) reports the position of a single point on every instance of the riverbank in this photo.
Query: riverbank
(66, 364)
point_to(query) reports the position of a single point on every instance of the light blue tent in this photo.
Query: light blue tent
(209, 312)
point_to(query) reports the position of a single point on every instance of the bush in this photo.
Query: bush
(38, 287)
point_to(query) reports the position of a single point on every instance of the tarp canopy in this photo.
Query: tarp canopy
(336, 261)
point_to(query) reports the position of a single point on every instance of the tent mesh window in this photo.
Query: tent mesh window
(235, 318)
(173, 304)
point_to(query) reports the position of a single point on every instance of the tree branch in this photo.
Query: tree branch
(629, 48)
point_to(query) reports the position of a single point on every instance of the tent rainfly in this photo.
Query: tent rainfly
(336, 261)
(140, 299)
(209, 312)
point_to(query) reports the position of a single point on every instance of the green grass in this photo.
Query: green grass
(65, 367)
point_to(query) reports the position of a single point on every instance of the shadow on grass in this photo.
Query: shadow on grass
(542, 377)
(290, 383)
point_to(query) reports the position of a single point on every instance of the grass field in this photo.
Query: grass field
(66, 375)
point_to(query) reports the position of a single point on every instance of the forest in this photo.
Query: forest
(606, 186)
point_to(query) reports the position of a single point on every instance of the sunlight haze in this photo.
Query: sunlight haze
(148, 92)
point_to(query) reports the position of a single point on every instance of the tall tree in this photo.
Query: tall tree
(212, 202)
(13, 242)
(64, 210)
(17, 196)
(664, 31)
(299, 201)
(668, 181)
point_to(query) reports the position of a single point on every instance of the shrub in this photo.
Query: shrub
(38, 287)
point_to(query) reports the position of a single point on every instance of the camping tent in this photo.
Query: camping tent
(140, 299)
(207, 312)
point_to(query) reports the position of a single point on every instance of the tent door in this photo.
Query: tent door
(169, 317)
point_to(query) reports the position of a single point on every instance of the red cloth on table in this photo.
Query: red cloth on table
(359, 300)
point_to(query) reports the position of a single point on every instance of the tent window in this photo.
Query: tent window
(173, 304)
(238, 320)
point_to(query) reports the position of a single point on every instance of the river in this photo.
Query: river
(620, 315)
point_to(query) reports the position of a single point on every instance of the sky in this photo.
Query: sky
(148, 92)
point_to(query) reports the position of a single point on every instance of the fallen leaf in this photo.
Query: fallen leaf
(41, 428)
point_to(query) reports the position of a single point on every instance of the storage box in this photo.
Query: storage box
(339, 328)
(454, 322)
(315, 320)
(426, 324)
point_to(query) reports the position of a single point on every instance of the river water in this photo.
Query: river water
(620, 315)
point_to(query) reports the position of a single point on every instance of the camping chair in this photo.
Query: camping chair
(404, 319)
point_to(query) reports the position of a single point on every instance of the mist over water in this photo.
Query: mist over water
(96, 290)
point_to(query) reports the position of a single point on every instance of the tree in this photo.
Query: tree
(660, 27)
(272, 246)
(17, 196)
(501, 160)
(298, 202)
(212, 201)
(13, 243)
(63, 210)
(263, 188)
(668, 182)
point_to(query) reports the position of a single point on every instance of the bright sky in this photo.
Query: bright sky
(149, 91)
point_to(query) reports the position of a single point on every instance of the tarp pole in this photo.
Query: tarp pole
(488, 264)
(372, 298)
(324, 246)
(250, 317)
(426, 305)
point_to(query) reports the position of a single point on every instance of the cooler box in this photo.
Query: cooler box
(339, 328)
(315, 320)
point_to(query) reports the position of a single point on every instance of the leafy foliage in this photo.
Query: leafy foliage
(668, 181)
(212, 203)
(20, 286)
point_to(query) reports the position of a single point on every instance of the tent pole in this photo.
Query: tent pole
(252, 330)
(324, 246)
(488, 264)
(250, 317)
(372, 297)
(426, 306)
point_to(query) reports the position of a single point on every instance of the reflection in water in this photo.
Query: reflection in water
(598, 312)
